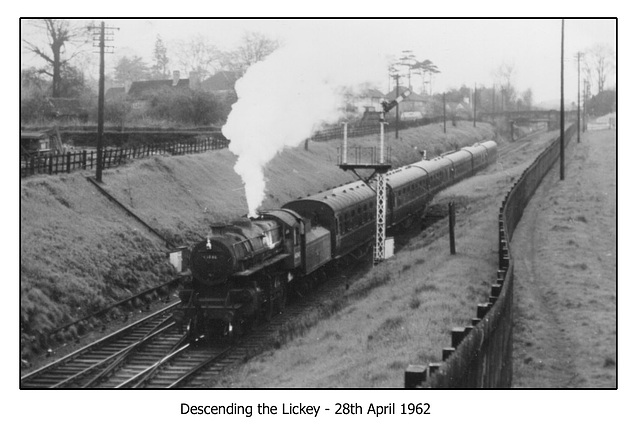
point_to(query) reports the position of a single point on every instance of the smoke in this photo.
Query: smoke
(283, 99)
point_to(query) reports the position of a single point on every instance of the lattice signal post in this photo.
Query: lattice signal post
(380, 167)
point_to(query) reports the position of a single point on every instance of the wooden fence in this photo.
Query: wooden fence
(112, 157)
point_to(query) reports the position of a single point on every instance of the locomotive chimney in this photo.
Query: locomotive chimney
(217, 228)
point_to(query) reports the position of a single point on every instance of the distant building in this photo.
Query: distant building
(114, 92)
(223, 86)
(460, 109)
(222, 83)
(413, 103)
(368, 100)
(139, 92)
(35, 143)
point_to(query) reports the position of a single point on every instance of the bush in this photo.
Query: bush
(35, 108)
(117, 110)
(187, 107)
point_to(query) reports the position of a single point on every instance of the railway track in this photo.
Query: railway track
(153, 353)
(80, 367)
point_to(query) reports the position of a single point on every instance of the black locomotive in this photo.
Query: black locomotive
(243, 272)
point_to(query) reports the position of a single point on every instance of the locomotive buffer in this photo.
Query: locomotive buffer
(380, 167)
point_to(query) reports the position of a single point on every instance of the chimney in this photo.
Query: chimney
(176, 77)
(194, 81)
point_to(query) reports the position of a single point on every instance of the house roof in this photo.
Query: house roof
(372, 93)
(221, 81)
(139, 88)
(113, 92)
(412, 97)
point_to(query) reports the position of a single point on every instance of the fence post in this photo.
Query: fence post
(446, 352)
(50, 164)
(68, 162)
(457, 335)
(414, 375)
(452, 224)
(84, 159)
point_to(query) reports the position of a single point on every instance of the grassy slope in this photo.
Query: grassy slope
(565, 317)
(79, 252)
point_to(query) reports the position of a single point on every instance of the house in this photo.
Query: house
(222, 83)
(140, 91)
(460, 109)
(412, 103)
(114, 92)
(368, 100)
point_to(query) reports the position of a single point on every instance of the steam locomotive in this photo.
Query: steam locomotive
(243, 272)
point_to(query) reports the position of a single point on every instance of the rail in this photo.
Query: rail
(78, 326)
(96, 345)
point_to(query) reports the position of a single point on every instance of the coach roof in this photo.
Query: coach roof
(341, 197)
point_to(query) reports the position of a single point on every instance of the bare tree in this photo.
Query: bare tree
(600, 60)
(254, 47)
(527, 98)
(504, 76)
(198, 55)
(59, 33)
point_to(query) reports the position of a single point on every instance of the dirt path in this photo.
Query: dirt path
(565, 273)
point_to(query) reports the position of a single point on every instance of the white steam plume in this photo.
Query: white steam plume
(282, 99)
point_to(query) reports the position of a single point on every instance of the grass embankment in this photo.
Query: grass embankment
(79, 252)
(565, 332)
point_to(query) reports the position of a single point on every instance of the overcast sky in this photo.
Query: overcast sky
(467, 51)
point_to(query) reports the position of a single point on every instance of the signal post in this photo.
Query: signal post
(379, 163)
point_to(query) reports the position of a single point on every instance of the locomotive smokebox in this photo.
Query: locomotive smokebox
(212, 262)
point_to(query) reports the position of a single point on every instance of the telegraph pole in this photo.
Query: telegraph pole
(444, 111)
(584, 107)
(578, 55)
(475, 101)
(100, 35)
(494, 99)
(562, 104)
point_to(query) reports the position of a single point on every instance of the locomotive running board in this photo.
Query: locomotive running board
(258, 267)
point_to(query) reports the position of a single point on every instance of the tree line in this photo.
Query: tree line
(64, 48)
(65, 51)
